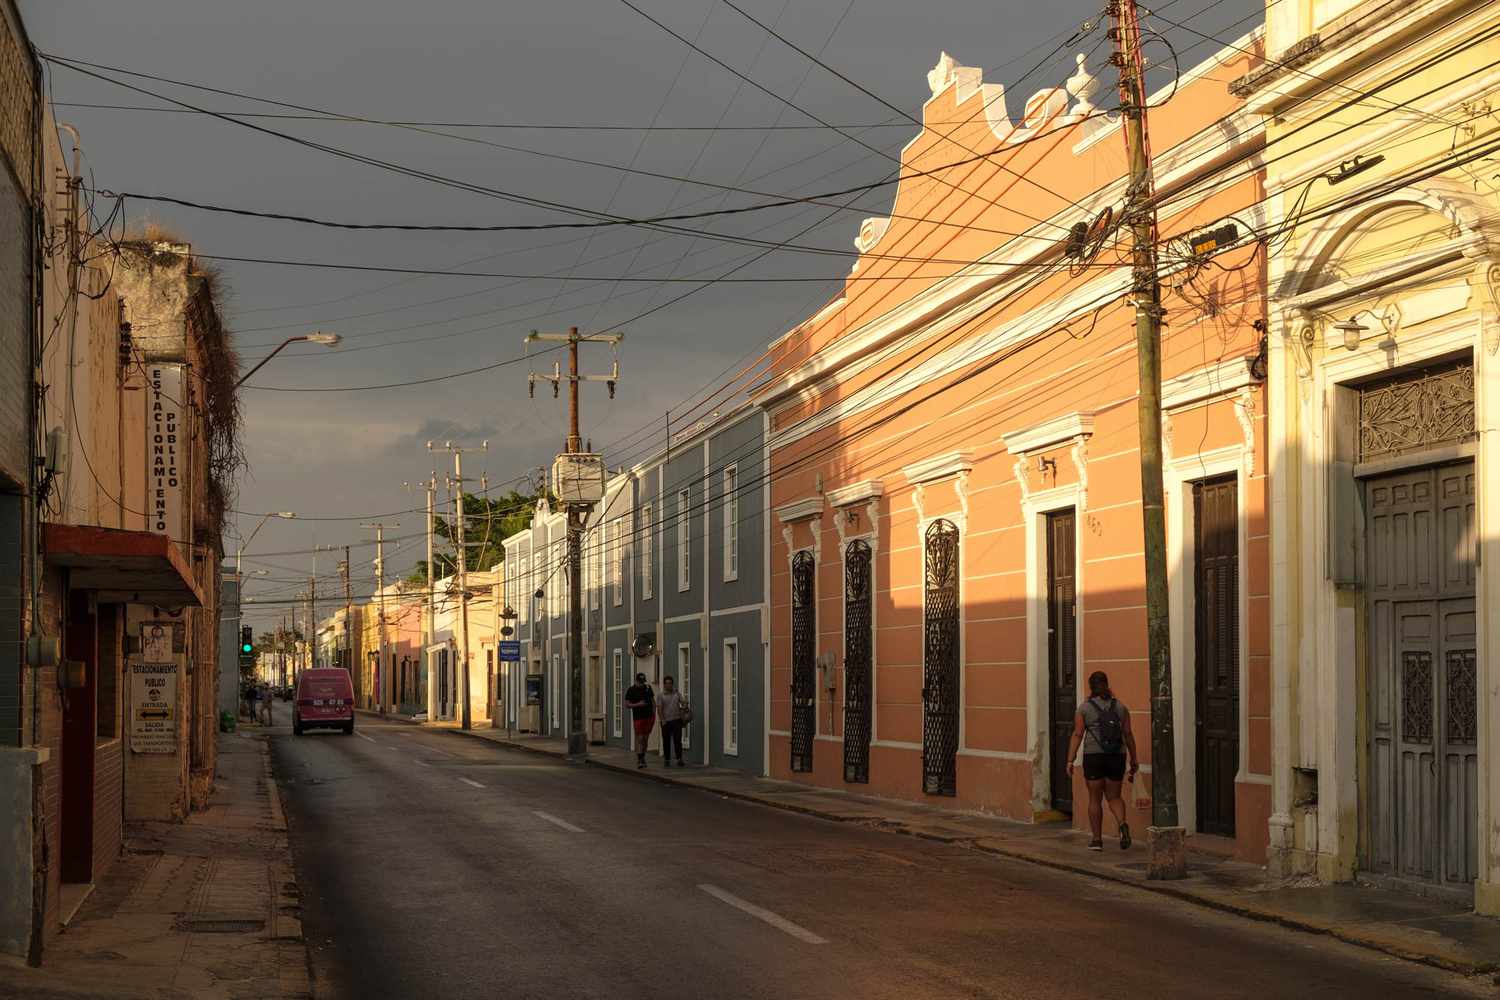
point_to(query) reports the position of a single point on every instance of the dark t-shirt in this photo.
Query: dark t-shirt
(641, 693)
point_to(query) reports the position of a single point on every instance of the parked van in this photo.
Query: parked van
(325, 700)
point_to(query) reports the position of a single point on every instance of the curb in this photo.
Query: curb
(1249, 912)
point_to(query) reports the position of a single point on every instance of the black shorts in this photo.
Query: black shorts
(1104, 766)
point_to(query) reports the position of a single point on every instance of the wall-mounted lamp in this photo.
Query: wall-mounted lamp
(1353, 330)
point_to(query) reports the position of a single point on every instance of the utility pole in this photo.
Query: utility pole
(429, 607)
(578, 480)
(1167, 838)
(457, 484)
(382, 681)
(348, 659)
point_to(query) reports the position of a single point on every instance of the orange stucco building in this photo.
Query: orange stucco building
(956, 536)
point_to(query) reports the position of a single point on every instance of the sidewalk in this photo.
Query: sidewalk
(202, 909)
(1435, 932)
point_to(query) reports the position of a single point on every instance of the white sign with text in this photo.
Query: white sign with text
(166, 453)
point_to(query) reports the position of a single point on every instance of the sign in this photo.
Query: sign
(166, 454)
(510, 651)
(153, 707)
(156, 642)
(533, 689)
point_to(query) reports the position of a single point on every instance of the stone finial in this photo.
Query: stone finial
(1082, 85)
(870, 233)
(942, 74)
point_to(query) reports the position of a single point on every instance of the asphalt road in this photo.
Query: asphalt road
(435, 865)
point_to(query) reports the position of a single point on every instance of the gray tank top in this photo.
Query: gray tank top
(1091, 710)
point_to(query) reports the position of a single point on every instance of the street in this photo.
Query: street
(435, 865)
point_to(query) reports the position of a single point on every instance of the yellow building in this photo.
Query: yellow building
(1384, 381)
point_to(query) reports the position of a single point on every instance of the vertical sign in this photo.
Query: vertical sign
(165, 451)
(153, 690)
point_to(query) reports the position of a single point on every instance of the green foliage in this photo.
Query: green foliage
(487, 522)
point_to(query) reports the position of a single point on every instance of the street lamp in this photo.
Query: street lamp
(239, 552)
(326, 339)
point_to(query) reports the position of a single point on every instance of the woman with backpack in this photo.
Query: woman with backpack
(1101, 726)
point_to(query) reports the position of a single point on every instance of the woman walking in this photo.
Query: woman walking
(1101, 726)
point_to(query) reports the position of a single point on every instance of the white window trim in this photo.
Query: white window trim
(731, 523)
(595, 564)
(617, 693)
(616, 564)
(648, 553)
(684, 541)
(731, 698)
(525, 582)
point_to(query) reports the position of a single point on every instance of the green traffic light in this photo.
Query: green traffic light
(245, 647)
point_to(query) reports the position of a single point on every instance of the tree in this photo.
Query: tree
(487, 522)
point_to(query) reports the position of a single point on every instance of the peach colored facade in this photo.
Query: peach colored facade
(974, 377)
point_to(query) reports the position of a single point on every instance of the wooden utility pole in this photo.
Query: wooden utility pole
(429, 606)
(1168, 860)
(569, 465)
(348, 662)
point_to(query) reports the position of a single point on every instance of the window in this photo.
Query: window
(557, 579)
(731, 696)
(731, 523)
(685, 683)
(595, 542)
(684, 550)
(555, 695)
(617, 564)
(648, 555)
(524, 584)
(617, 698)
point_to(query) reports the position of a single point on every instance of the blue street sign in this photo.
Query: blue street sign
(510, 652)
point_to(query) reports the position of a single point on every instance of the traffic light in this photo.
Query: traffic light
(247, 640)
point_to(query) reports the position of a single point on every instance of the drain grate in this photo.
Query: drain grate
(220, 925)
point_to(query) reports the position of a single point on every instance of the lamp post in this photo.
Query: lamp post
(326, 339)
(239, 552)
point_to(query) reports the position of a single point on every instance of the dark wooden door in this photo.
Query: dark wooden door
(79, 730)
(1216, 645)
(804, 661)
(1062, 649)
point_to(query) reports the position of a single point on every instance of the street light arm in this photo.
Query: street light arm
(246, 377)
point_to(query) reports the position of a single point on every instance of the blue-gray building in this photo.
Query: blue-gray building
(674, 575)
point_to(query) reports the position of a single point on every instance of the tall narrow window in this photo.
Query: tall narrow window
(555, 695)
(731, 523)
(731, 696)
(685, 684)
(684, 543)
(595, 542)
(648, 554)
(940, 660)
(558, 572)
(616, 564)
(525, 588)
(617, 696)
(858, 660)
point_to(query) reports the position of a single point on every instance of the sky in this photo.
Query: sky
(336, 457)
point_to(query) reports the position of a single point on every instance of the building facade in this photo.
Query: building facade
(954, 464)
(1384, 388)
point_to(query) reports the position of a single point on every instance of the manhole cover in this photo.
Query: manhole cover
(220, 925)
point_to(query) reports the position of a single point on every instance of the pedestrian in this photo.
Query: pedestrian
(265, 705)
(1101, 726)
(252, 695)
(641, 701)
(672, 708)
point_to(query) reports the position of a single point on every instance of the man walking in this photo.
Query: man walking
(641, 701)
(265, 705)
(671, 707)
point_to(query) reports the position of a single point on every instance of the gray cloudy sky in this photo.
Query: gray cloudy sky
(595, 62)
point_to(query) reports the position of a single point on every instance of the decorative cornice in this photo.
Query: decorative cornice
(1206, 383)
(1053, 432)
(846, 496)
(930, 470)
(800, 510)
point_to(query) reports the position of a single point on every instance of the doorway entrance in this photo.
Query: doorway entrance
(1216, 645)
(1423, 697)
(79, 731)
(1062, 650)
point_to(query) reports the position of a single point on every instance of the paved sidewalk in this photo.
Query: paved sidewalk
(204, 909)
(1435, 932)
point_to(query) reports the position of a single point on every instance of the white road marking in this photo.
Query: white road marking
(445, 753)
(775, 920)
(364, 737)
(560, 822)
(420, 762)
(469, 781)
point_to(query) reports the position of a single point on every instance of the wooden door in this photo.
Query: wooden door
(1216, 650)
(79, 730)
(1062, 649)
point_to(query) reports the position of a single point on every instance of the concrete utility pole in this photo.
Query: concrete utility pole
(380, 667)
(457, 484)
(569, 474)
(348, 663)
(429, 607)
(1168, 849)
